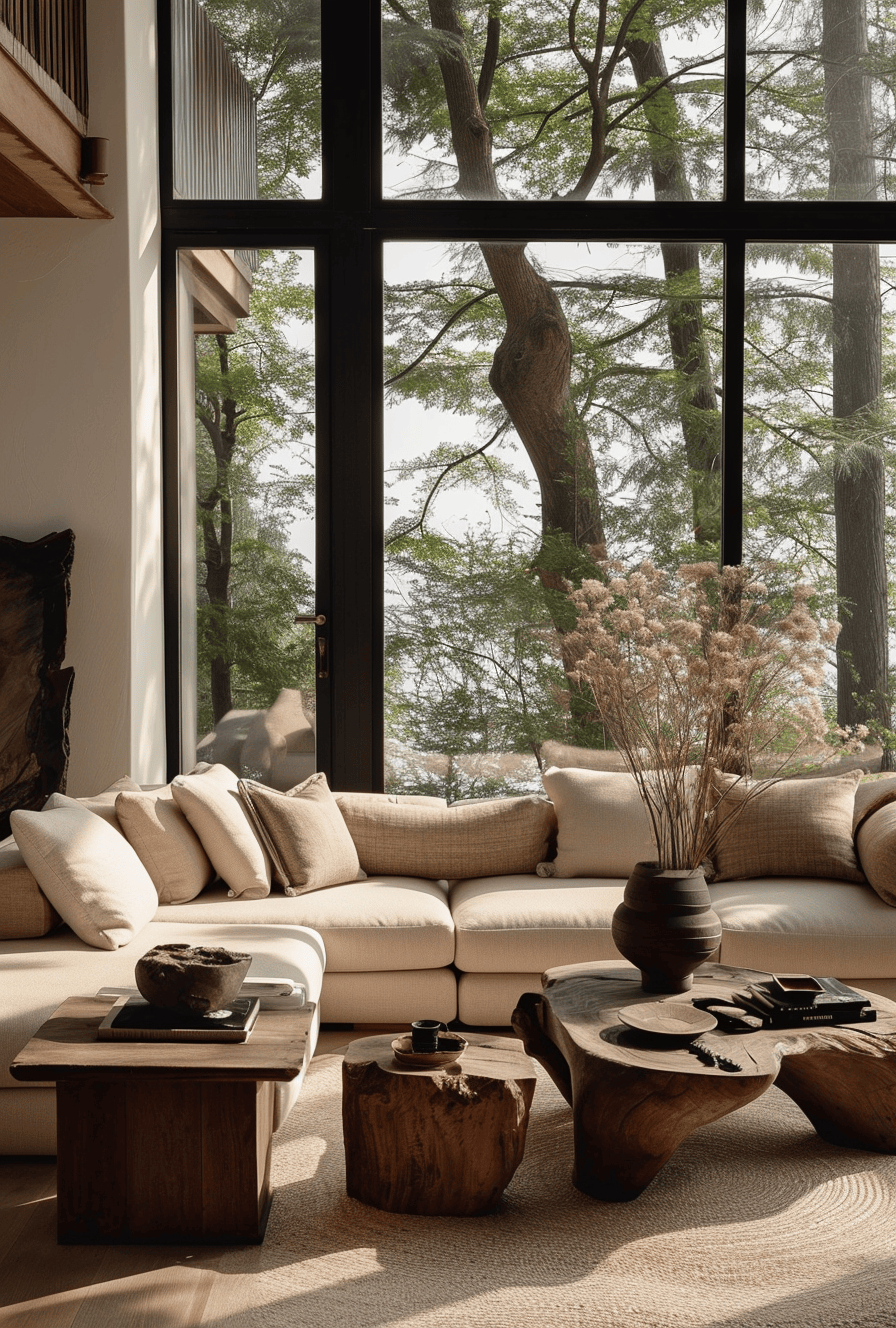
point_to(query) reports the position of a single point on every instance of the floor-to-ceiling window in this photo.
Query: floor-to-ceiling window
(589, 280)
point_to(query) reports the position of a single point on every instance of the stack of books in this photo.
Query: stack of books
(834, 1004)
(131, 1019)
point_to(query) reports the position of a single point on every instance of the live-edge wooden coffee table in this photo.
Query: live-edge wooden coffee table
(634, 1103)
(162, 1142)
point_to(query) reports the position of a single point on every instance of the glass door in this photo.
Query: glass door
(248, 442)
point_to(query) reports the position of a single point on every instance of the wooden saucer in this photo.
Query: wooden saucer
(667, 1019)
(426, 1060)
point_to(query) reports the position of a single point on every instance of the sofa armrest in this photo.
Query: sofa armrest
(876, 847)
(25, 911)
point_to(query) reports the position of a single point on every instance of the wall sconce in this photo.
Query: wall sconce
(94, 160)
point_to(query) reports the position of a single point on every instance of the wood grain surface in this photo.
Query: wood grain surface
(66, 1046)
(435, 1141)
(635, 1100)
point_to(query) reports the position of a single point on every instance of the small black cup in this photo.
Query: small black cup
(425, 1035)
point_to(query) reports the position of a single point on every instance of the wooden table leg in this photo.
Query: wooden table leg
(163, 1161)
(849, 1097)
(628, 1123)
(627, 1120)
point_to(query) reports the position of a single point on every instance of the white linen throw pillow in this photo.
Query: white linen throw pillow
(87, 870)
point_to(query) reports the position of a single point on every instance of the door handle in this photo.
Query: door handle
(323, 666)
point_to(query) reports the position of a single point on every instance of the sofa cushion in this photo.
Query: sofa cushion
(376, 925)
(304, 833)
(373, 800)
(165, 843)
(491, 838)
(872, 792)
(212, 804)
(103, 804)
(24, 909)
(805, 925)
(786, 827)
(88, 871)
(602, 824)
(876, 843)
(523, 924)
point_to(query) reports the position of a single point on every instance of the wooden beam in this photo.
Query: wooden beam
(221, 287)
(42, 149)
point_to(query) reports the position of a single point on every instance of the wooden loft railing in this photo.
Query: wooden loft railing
(54, 33)
(215, 149)
(214, 157)
(43, 110)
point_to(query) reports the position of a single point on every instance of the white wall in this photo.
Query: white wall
(80, 418)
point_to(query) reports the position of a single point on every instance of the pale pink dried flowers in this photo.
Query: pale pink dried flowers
(697, 673)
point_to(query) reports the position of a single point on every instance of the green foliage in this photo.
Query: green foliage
(276, 44)
(255, 476)
(265, 651)
(539, 111)
(472, 668)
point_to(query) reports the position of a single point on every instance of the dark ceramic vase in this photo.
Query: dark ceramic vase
(665, 925)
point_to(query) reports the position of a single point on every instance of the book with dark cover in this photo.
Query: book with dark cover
(837, 1004)
(132, 1019)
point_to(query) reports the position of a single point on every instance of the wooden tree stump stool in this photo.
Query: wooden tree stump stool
(440, 1142)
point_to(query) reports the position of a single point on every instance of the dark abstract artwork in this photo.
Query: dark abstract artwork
(35, 689)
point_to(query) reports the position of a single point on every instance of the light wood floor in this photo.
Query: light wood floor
(45, 1285)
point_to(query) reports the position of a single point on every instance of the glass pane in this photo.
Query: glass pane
(253, 431)
(820, 101)
(819, 452)
(526, 438)
(246, 80)
(563, 100)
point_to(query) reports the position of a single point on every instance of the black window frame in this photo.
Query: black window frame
(347, 228)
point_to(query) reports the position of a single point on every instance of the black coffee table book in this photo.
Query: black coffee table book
(834, 1004)
(131, 1019)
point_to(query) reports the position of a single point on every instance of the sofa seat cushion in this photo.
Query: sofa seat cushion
(525, 924)
(806, 925)
(40, 974)
(378, 925)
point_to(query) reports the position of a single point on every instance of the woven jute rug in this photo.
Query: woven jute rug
(754, 1223)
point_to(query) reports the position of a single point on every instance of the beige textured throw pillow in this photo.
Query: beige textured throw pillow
(602, 824)
(787, 827)
(499, 837)
(876, 843)
(306, 834)
(872, 793)
(25, 911)
(88, 871)
(165, 843)
(102, 804)
(211, 803)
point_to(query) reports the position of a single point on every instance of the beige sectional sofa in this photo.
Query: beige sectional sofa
(461, 944)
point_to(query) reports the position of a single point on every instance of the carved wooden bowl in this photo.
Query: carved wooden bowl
(196, 979)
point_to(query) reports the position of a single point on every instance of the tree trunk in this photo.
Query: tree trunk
(531, 369)
(217, 542)
(700, 419)
(859, 486)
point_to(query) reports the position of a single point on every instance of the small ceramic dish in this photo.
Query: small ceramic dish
(667, 1019)
(451, 1047)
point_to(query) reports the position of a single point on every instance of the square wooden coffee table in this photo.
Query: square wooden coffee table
(162, 1142)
